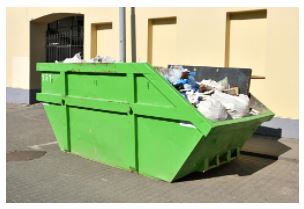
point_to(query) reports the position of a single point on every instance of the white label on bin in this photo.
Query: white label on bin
(48, 77)
(189, 125)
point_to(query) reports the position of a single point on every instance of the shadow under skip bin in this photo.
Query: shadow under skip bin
(243, 166)
(266, 147)
(257, 153)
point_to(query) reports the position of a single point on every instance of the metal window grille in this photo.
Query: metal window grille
(64, 38)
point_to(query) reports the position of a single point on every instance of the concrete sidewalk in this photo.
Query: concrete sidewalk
(267, 172)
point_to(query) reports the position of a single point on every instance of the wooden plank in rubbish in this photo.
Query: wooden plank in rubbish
(257, 77)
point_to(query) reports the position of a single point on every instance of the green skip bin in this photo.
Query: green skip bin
(128, 116)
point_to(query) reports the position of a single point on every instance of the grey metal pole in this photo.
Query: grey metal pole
(133, 34)
(122, 34)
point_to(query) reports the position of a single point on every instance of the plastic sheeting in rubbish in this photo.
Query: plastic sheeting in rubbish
(195, 97)
(75, 59)
(236, 106)
(212, 109)
(174, 76)
(221, 106)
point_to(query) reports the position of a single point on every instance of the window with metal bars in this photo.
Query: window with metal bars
(64, 38)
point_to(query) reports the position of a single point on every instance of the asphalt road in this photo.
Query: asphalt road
(38, 172)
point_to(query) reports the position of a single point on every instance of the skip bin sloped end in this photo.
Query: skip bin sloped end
(222, 144)
(57, 117)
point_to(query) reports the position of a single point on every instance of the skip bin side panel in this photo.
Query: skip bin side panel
(93, 105)
(148, 93)
(102, 136)
(163, 146)
(100, 127)
(109, 87)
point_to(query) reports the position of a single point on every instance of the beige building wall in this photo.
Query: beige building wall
(17, 48)
(198, 37)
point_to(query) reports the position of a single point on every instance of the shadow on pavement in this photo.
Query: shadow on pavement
(269, 131)
(265, 147)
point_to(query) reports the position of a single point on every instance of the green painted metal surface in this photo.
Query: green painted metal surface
(127, 115)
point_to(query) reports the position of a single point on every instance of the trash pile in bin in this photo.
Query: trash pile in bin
(216, 100)
(98, 59)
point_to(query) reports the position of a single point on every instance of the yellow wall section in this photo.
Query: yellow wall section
(104, 42)
(17, 48)
(248, 41)
(247, 45)
(101, 40)
(281, 92)
(162, 43)
(200, 37)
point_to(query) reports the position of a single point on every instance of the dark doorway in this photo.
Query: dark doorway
(53, 37)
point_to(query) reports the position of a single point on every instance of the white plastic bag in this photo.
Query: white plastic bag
(174, 74)
(236, 106)
(212, 109)
(75, 59)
